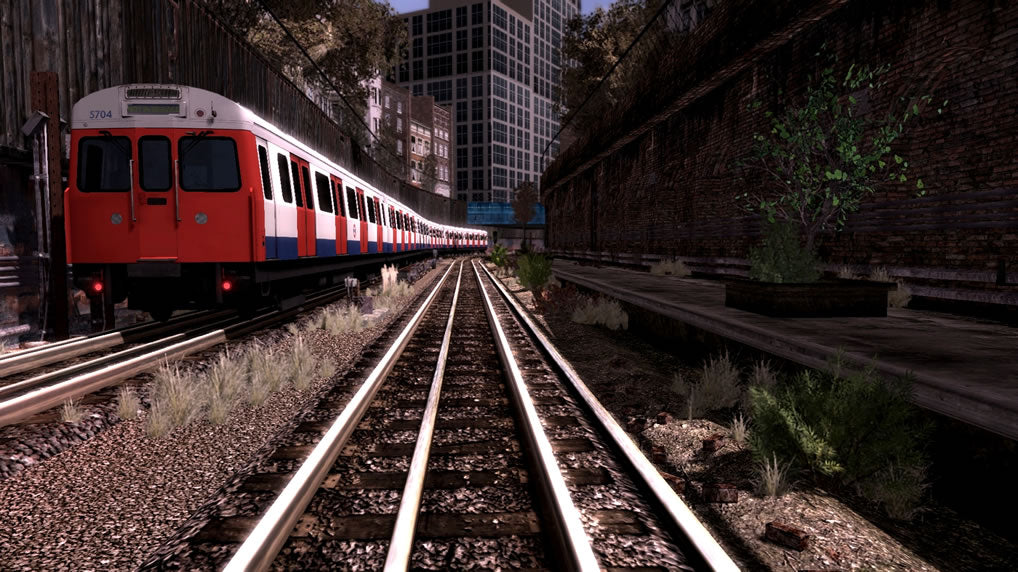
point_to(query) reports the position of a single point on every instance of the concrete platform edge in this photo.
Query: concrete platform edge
(929, 391)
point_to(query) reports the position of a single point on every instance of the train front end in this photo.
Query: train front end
(157, 209)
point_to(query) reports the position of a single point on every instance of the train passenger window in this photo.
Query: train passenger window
(371, 210)
(284, 177)
(392, 218)
(295, 172)
(208, 164)
(338, 190)
(308, 193)
(103, 164)
(263, 162)
(351, 200)
(364, 213)
(154, 171)
(378, 214)
(322, 185)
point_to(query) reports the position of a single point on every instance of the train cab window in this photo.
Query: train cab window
(322, 186)
(295, 172)
(308, 193)
(154, 163)
(284, 177)
(263, 162)
(104, 164)
(351, 200)
(337, 189)
(208, 164)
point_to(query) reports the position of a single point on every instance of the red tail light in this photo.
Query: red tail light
(227, 285)
(97, 287)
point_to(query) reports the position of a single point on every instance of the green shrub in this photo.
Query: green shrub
(847, 427)
(534, 271)
(782, 257)
(498, 255)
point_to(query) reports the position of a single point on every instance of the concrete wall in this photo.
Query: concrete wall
(670, 187)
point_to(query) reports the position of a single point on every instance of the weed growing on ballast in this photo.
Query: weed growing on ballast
(127, 403)
(670, 268)
(71, 412)
(603, 312)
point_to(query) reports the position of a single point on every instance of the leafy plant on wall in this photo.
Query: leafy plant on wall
(823, 154)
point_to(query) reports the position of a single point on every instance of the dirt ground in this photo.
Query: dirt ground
(632, 378)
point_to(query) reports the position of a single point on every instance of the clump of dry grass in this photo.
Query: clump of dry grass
(739, 429)
(772, 477)
(604, 312)
(899, 489)
(302, 365)
(175, 400)
(845, 273)
(670, 268)
(394, 294)
(762, 375)
(267, 373)
(225, 381)
(340, 320)
(71, 412)
(898, 298)
(717, 388)
(327, 369)
(127, 403)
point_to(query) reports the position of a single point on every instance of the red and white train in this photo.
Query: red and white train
(181, 198)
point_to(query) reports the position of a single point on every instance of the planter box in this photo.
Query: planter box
(823, 299)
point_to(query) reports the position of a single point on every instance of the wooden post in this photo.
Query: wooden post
(45, 99)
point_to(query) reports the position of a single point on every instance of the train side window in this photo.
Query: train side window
(308, 193)
(103, 164)
(322, 186)
(297, 193)
(154, 163)
(208, 164)
(337, 189)
(392, 218)
(378, 213)
(351, 200)
(263, 162)
(360, 199)
(284, 178)
(370, 210)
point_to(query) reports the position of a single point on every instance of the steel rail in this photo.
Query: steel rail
(25, 360)
(574, 544)
(682, 517)
(402, 542)
(272, 530)
(26, 384)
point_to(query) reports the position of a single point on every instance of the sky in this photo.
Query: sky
(402, 6)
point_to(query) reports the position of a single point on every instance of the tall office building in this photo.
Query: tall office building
(495, 64)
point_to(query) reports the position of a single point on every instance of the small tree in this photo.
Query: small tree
(821, 158)
(524, 201)
(429, 173)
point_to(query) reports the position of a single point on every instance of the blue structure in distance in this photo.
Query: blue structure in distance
(500, 214)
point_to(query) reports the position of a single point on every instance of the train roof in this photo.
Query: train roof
(141, 106)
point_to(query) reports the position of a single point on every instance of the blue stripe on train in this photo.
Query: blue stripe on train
(270, 247)
(372, 247)
(325, 247)
(285, 247)
(353, 247)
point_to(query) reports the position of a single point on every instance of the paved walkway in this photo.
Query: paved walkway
(964, 368)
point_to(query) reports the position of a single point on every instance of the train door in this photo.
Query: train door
(325, 219)
(363, 221)
(305, 205)
(337, 193)
(372, 232)
(269, 198)
(353, 237)
(381, 226)
(156, 205)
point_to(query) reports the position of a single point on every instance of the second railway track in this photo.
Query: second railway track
(464, 447)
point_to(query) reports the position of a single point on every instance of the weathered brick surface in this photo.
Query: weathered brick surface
(671, 191)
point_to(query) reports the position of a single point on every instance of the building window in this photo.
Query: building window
(441, 66)
(461, 88)
(440, 44)
(461, 40)
(418, 71)
(461, 158)
(399, 147)
(477, 86)
(477, 110)
(439, 21)
(461, 63)
(477, 14)
(461, 16)
(477, 133)
(477, 38)
(376, 125)
(418, 25)
(461, 134)
(477, 180)
(477, 61)
(399, 125)
(477, 157)
(461, 111)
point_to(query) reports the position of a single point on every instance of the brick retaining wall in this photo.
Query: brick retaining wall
(671, 189)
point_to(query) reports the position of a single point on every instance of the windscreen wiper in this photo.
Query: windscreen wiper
(197, 138)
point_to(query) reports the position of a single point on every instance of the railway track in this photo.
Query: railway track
(23, 397)
(465, 444)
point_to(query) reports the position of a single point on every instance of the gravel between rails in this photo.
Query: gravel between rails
(105, 504)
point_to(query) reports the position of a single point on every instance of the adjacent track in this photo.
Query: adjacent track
(467, 444)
